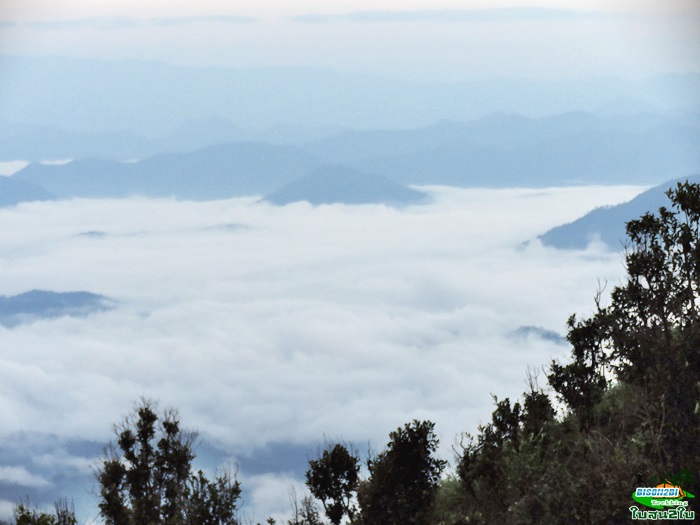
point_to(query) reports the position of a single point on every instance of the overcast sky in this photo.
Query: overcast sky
(418, 39)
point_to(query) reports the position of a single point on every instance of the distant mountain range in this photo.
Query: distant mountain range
(509, 150)
(13, 191)
(607, 224)
(335, 184)
(41, 304)
(38, 142)
(496, 151)
(283, 173)
(214, 172)
(153, 98)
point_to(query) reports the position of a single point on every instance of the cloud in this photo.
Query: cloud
(111, 22)
(44, 468)
(4, 24)
(130, 22)
(6, 508)
(174, 21)
(270, 495)
(456, 16)
(20, 476)
(304, 322)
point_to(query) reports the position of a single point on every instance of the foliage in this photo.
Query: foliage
(304, 512)
(449, 506)
(404, 478)
(631, 393)
(333, 478)
(64, 515)
(147, 479)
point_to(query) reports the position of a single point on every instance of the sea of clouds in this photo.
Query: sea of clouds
(270, 328)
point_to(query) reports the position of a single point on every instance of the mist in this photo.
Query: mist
(272, 327)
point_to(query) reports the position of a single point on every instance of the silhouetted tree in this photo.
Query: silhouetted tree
(404, 478)
(582, 382)
(333, 478)
(64, 514)
(537, 412)
(147, 478)
(304, 512)
(648, 338)
(656, 325)
(483, 466)
(631, 394)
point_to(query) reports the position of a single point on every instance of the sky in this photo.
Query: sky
(420, 40)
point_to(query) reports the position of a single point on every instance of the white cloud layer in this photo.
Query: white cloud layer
(269, 325)
(20, 476)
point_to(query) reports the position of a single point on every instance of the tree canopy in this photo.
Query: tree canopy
(333, 478)
(148, 479)
(404, 478)
(630, 393)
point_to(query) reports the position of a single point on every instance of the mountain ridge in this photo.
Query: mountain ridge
(607, 224)
(341, 185)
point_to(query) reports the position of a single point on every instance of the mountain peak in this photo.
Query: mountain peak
(336, 184)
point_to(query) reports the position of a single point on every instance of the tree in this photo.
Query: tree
(333, 478)
(304, 512)
(404, 478)
(636, 362)
(484, 465)
(147, 478)
(655, 332)
(537, 413)
(631, 394)
(64, 515)
(648, 338)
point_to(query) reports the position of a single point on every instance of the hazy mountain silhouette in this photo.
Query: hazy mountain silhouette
(500, 150)
(13, 191)
(152, 98)
(509, 150)
(607, 224)
(35, 143)
(81, 178)
(40, 304)
(214, 172)
(499, 130)
(40, 142)
(335, 184)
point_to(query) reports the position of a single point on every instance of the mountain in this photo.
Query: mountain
(607, 224)
(36, 143)
(510, 150)
(13, 191)
(40, 304)
(335, 184)
(215, 172)
(496, 130)
(499, 150)
(153, 98)
(81, 178)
